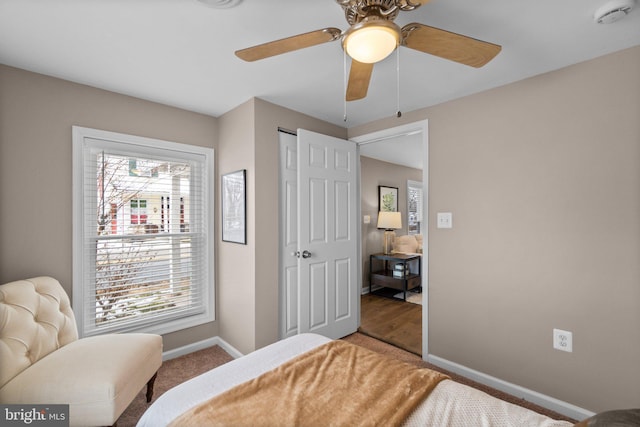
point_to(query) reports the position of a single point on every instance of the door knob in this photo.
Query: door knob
(296, 254)
(306, 254)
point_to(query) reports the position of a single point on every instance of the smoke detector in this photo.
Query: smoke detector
(613, 11)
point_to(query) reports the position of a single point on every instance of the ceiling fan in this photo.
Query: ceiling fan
(372, 36)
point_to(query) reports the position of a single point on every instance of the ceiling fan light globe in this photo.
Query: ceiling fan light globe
(371, 42)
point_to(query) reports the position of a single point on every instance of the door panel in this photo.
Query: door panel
(291, 301)
(343, 286)
(342, 191)
(317, 156)
(291, 203)
(317, 211)
(317, 303)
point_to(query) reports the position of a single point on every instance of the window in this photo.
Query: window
(141, 263)
(138, 211)
(414, 207)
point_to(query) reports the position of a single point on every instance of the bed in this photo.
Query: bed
(447, 404)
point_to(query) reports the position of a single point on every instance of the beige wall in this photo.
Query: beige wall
(236, 262)
(543, 179)
(372, 174)
(36, 115)
(248, 285)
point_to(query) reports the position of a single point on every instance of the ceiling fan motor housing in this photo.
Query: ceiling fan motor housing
(357, 10)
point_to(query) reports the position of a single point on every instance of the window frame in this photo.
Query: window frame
(84, 138)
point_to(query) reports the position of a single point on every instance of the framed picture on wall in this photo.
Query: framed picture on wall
(387, 199)
(234, 201)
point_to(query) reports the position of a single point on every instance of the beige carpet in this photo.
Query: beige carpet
(176, 371)
(171, 373)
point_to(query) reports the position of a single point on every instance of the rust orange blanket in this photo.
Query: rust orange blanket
(336, 384)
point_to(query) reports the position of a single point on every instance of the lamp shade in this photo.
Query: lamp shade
(371, 41)
(389, 220)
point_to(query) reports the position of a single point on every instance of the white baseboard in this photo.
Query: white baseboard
(234, 352)
(545, 401)
(201, 345)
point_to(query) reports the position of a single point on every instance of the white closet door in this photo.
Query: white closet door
(327, 235)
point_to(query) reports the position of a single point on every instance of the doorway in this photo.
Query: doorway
(288, 283)
(398, 136)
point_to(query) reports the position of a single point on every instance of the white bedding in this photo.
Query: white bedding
(450, 404)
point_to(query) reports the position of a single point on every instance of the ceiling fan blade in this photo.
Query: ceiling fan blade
(448, 45)
(359, 77)
(289, 44)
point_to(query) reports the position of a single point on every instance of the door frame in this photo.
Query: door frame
(421, 127)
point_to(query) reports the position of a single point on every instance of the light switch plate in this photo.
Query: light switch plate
(445, 220)
(367, 219)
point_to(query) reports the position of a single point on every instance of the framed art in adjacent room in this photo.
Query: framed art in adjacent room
(387, 199)
(234, 207)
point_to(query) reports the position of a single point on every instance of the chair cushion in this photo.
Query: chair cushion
(35, 319)
(97, 376)
(405, 244)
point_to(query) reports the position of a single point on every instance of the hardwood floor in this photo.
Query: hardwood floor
(396, 322)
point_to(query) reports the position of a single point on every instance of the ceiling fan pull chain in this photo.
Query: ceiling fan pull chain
(398, 112)
(344, 82)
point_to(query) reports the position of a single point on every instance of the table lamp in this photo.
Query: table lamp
(390, 221)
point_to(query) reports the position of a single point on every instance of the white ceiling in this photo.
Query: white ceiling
(404, 149)
(181, 52)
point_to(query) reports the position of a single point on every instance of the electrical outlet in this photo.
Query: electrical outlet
(563, 340)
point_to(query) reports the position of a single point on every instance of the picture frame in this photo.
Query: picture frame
(387, 199)
(234, 207)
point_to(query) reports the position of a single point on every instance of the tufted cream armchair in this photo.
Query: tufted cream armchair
(42, 361)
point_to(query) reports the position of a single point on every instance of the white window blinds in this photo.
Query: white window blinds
(143, 235)
(414, 208)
